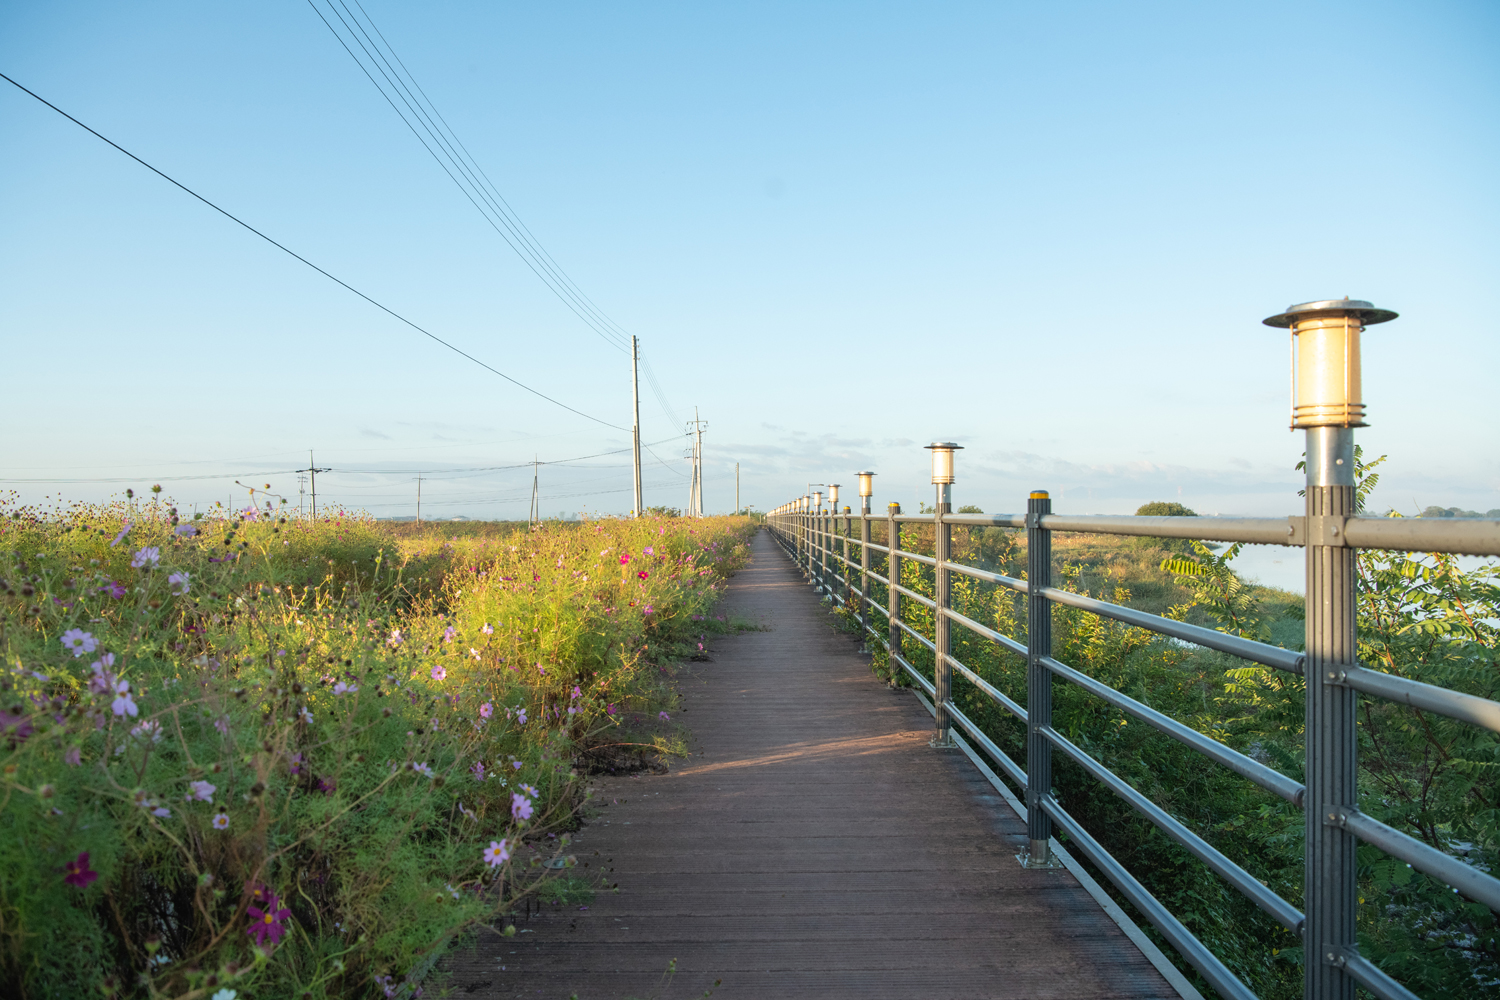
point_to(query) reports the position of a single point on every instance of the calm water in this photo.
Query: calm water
(1280, 566)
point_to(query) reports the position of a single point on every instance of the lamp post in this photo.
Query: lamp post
(942, 480)
(866, 490)
(1328, 403)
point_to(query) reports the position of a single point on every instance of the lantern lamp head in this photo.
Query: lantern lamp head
(866, 483)
(1326, 383)
(817, 499)
(833, 495)
(942, 461)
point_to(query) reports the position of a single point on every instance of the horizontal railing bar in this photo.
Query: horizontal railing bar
(1010, 767)
(1249, 649)
(1189, 947)
(1454, 704)
(1375, 979)
(1467, 879)
(915, 634)
(878, 578)
(1284, 913)
(916, 674)
(1248, 767)
(986, 575)
(995, 693)
(986, 631)
(878, 607)
(987, 520)
(1262, 530)
(1467, 536)
(916, 557)
(926, 602)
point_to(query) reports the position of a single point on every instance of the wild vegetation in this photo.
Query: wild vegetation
(263, 756)
(1420, 616)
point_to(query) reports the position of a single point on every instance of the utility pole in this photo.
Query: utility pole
(313, 470)
(635, 420)
(695, 504)
(419, 498)
(535, 513)
(301, 494)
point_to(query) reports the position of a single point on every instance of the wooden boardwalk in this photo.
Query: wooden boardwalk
(813, 846)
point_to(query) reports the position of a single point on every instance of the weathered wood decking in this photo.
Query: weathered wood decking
(814, 846)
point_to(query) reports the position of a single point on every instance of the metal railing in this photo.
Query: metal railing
(821, 540)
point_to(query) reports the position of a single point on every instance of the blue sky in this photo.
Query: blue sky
(1048, 232)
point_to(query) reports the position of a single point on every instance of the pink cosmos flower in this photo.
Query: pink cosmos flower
(439, 672)
(121, 536)
(663, 716)
(488, 629)
(577, 692)
(642, 574)
(124, 704)
(516, 764)
(521, 717)
(478, 770)
(649, 551)
(150, 555)
(221, 821)
(343, 688)
(448, 634)
(268, 922)
(520, 806)
(625, 559)
(495, 855)
(396, 638)
(200, 790)
(73, 757)
(78, 871)
(186, 530)
(609, 709)
(179, 583)
(486, 710)
(78, 642)
(648, 609)
(113, 589)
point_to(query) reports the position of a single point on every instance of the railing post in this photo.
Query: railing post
(942, 671)
(1038, 682)
(1330, 887)
(844, 563)
(893, 574)
(826, 544)
(864, 571)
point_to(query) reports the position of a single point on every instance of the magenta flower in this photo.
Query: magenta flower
(147, 556)
(649, 551)
(625, 559)
(648, 609)
(448, 634)
(577, 692)
(520, 806)
(439, 672)
(495, 855)
(78, 871)
(114, 589)
(78, 642)
(478, 770)
(643, 574)
(486, 710)
(609, 709)
(663, 716)
(268, 922)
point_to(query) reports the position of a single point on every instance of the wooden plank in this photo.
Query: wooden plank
(813, 846)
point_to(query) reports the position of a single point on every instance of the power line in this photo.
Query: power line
(284, 249)
(502, 221)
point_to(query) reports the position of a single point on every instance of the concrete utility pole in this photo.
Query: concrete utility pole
(313, 470)
(635, 420)
(535, 513)
(695, 502)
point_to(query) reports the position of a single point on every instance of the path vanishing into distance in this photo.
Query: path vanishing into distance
(814, 845)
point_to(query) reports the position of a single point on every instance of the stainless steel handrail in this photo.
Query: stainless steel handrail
(813, 542)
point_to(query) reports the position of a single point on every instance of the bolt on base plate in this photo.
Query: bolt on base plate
(1042, 859)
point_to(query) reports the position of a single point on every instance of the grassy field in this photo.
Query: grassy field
(287, 758)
